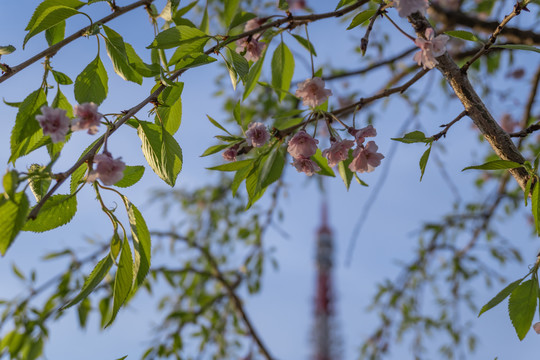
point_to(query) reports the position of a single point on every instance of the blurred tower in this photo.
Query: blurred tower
(324, 337)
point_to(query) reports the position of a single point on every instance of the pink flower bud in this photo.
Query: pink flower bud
(108, 170)
(306, 165)
(257, 135)
(408, 7)
(230, 153)
(297, 4)
(302, 145)
(360, 135)
(87, 118)
(54, 123)
(536, 327)
(312, 92)
(366, 159)
(338, 151)
(251, 46)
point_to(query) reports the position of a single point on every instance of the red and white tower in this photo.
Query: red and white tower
(324, 338)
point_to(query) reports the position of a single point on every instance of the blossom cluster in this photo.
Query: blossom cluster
(250, 46)
(56, 124)
(430, 48)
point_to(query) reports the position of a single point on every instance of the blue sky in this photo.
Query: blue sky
(282, 311)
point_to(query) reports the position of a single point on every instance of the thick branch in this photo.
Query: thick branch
(54, 49)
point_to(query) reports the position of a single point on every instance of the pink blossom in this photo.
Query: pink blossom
(230, 153)
(338, 151)
(306, 165)
(507, 123)
(297, 4)
(536, 327)
(360, 135)
(257, 135)
(87, 118)
(251, 47)
(430, 48)
(253, 24)
(366, 159)
(108, 170)
(54, 123)
(302, 145)
(312, 92)
(408, 7)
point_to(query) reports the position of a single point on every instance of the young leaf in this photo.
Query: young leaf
(51, 3)
(61, 78)
(132, 174)
(91, 84)
(123, 281)
(503, 294)
(323, 164)
(12, 218)
(230, 10)
(176, 36)
(527, 190)
(239, 63)
(414, 137)
(518, 47)
(39, 183)
(214, 149)
(522, 306)
(218, 125)
(92, 281)
(240, 176)
(253, 76)
(282, 70)
(49, 18)
(56, 33)
(241, 18)
(495, 165)
(361, 17)
(146, 70)
(535, 205)
(232, 166)
(272, 167)
(342, 3)
(4, 50)
(423, 161)
(26, 124)
(76, 177)
(305, 43)
(58, 210)
(116, 49)
(169, 111)
(464, 35)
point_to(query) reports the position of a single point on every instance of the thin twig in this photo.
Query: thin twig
(365, 40)
(449, 125)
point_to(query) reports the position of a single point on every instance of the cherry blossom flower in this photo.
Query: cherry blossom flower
(257, 135)
(338, 151)
(508, 124)
(306, 165)
(297, 4)
(302, 145)
(408, 7)
(87, 118)
(108, 170)
(366, 159)
(536, 327)
(312, 92)
(251, 47)
(430, 48)
(254, 24)
(360, 135)
(230, 153)
(54, 123)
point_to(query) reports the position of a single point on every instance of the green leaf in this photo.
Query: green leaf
(423, 161)
(91, 84)
(522, 306)
(132, 174)
(518, 47)
(77, 176)
(189, 48)
(194, 61)
(282, 70)
(58, 210)
(361, 17)
(56, 33)
(230, 10)
(44, 5)
(161, 150)
(495, 165)
(323, 164)
(61, 78)
(141, 241)
(39, 181)
(176, 36)
(232, 74)
(4, 50)
(343, 3)
(240, 175)
(344, 171)
(503, 294)
(239, 63)
(272, 167)
(169, 111)
(462, 34)
(414, 137)
(92, 281)
(116, 49)
(10, 181)
(241, 18)
(146, 70)
(26, 124)
(218, 125)
(535, 205)
(123, 281)
(232, 166)
(205, 24)
(527, 190)
(181, 12)
(82, 311)
(253, 76)
(254, 190)
(305, 43)
(49, 18)
(214, 149)
(12, 218)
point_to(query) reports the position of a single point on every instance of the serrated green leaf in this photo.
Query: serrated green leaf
(361, 17)
(161, 150)
(503, 294)
(146, 70)
(230, 10)
(180, 35)
(12, 218)
(522, 306)
(181, 12)
(61, 78)
(306, 44)
(38, 181)
(414, 137)
(188, 49)
(232, 74)
(10, 181)
(214, 149)
(92, 281)
(253, 75)
(116, 49)
(169, 111)
(44, 5)
(132, 174)
(91, 84)
(323, 164)
(239, 63)
(4, 50)
(49, 18)
(241, 175)
(282, 70)
(123, 281)
(77, 176)
(495, 165)
(535, 206)
(272, 167)
(55, 34)
(518, 47)
(232, 166)
(58, 210)
(196, 60)
(462, 34)
(423, 161)
(255, 192)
